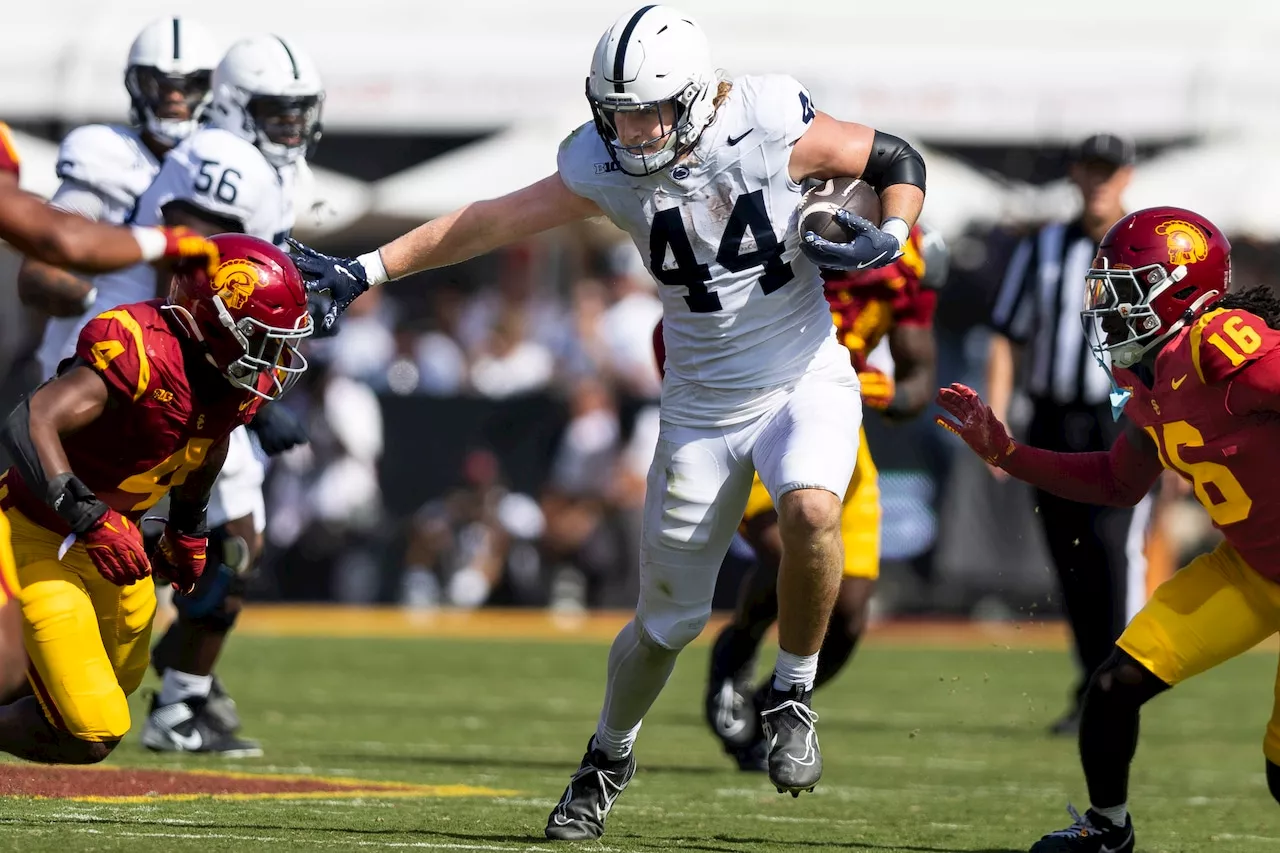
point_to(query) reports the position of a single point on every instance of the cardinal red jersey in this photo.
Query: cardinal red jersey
(1232, 460)
(9, 161)
(866, 305)
(159, 422)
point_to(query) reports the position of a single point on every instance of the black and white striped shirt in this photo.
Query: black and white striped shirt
(1039, 304)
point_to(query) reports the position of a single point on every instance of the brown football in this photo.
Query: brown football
(819, 204)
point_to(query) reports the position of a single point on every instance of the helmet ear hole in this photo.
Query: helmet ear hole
(1184, 294)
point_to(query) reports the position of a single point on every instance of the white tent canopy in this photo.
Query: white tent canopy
(981, 70)
(1234, 182)
(958, 194)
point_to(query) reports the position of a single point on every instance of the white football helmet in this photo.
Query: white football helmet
(267, 91)
(170, 55)
(651, 56)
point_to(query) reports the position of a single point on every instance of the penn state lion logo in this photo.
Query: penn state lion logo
(235, 282)
(1187, 243)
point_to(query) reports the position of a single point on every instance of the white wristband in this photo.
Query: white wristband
(151, 242)
(898, 228)
(373, 268)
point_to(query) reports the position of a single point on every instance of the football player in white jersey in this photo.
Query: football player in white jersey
(705, 174)
(235, 173)
(105, 167)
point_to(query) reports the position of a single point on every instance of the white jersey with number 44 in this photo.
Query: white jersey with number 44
(744, 316)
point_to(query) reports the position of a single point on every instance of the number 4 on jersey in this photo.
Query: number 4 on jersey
(749, 214)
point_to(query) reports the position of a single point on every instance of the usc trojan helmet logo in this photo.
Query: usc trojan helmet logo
(235, 282)
(1187, 243)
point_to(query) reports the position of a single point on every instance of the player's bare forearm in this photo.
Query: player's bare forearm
(915, 358)
(902, 201)
(189, 500)
(1120, 477)
(52, 291)
(1000, 368)
(483, 226)
(64, 239)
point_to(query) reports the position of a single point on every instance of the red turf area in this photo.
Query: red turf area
(24, 780)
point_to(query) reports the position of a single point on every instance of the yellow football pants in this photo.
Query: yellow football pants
(87, 638)
(1207, 613)
(859, 516)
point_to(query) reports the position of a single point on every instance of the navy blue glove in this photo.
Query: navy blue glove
(318, 305)
(278, 429)
(869, 248)
(343, 278)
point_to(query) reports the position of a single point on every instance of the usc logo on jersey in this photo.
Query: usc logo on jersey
(235, 281)
(1187, 243)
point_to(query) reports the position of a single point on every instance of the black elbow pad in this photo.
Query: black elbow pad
(15, 435)
(893, 161)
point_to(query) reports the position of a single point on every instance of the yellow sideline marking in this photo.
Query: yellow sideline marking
(423, 791)
(501, 624)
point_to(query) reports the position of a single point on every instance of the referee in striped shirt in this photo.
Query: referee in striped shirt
(1098, 552)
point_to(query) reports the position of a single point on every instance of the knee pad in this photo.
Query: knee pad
(95, 719)
(673, 627)
(1122, 681)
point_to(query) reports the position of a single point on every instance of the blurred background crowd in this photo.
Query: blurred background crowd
(480, 435)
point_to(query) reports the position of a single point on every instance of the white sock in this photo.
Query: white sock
(1115, 814)
(614, 743)
(180, 686)
(637, 674)
(794, 670)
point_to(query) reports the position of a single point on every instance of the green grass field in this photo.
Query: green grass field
(926, 750)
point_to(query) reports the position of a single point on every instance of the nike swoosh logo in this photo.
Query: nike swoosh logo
(1177, 382)
(190, 743)
(810, 755)
(726, 723)
(1128, 838)
(734, 140)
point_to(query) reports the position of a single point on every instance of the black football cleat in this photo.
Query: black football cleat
(580, 814)
(1068, 725)
(222, 708)
(795, 761)
(1089, 833)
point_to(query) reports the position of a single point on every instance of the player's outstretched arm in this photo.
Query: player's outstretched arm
(33, 437)
(72, 242)
(471, 230)
(1119, 477)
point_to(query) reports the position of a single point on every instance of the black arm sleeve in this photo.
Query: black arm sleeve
(893, 161)
(70, 498)
(15, 435)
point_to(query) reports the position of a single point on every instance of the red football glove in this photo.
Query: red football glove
(115, 547)
(182, 245)
(877, 388)
(975, 423)
(180, 558)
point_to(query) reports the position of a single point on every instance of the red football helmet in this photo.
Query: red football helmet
(1156, 270)
(250, 317)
